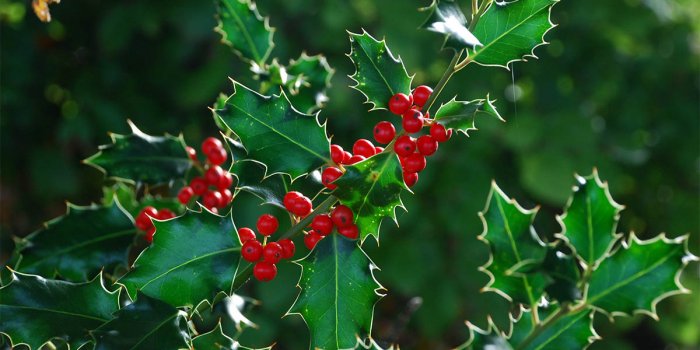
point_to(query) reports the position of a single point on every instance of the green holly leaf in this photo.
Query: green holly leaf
(461, 115)
(308, 79)
(372, 189)
(564, 275)
(225, 311)
(78, 245)
(572, 331)
(490, 338)
(126, 195)
(590, 219)
(514, 246)
(214, 340)
(510, 31)
(141, 158)
(35, 310)
(144, 324)
(447, 18)
(378, 75)
(192, 258)
(243, 29)
(274, 133)
(639, 275)
(338, 293)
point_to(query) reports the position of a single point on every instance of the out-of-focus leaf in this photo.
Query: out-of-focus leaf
(244, 29)
(308, 79)
(447, 18)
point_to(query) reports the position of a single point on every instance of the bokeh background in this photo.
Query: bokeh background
(618, 89)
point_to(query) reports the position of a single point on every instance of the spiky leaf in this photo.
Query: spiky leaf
(372, 189)
(192, 258)
(564, 275)
(510, 31)
(141, 158)
(590, 219)
(639, 275)
(274, 133)
(78, 245)
(338, 293)
(461, 115)
(35, 310)
(572, 331)
(514, 245)
(378, 75)
(244, 29)
(447, 18)
(126, 195)
(308, 79)
(144, 324)
(490, 338)
(214, 340)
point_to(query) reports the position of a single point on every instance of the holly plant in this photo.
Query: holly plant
(158, 262)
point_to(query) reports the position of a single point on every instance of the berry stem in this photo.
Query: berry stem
(451, 69)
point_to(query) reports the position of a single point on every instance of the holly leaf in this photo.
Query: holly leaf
(447, 18)
(274, 133)
(514, 244)
(639, 275)
(378, 75)
(490, 338)
(243, 29)
(181, 273)
(226, 312)
(372, 189)
(564, 275)
(126, 195)
(141, 158)
(572, 331)
(214, 340)
(461, 115)
(510, 31)
(35, 310)
(590, 219)
(338, 293)
(308, 79)
(78, 245)
(144, 324)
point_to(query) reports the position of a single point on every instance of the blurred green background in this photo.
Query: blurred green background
(618, 89)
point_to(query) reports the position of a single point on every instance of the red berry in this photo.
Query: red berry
(337, 154)
(323, 224)
(311, 239)
(350, 231)
(342, 216)
(439, 133)
(213, 175)
(245, 234)
(329, 175)
(267, 224)
(290, 198)
(363, 147)
(400, 103)
(210, 144)
(410, 179)
(287, 248)
(226, 197)
(412, 121)
(378, 149)
(225, 181)
(272, 252)
(346, 157)
(302, 207)
(192, 153)
(426, 145)
(404, 146)
(421, 95)
(414, 163)
(217, 156)
(384, 132)
(185, 195)
(264, 271)
(165, 214)
(252, 250)
(199, 186)
(149, 234)
(211, 199)
(143, 220)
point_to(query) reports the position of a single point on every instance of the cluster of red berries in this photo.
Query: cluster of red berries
(265, 254)
(297, 204)
(340, 218)
(214, 185)
(144, 223)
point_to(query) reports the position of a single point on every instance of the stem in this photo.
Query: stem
(443, 81)
(475, 19)
(244, 274)
(535, 315)
(541, 327)
(475, 7)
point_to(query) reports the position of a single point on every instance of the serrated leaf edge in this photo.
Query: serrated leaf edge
(322, 61)
(486, 101)
(523, 310)
(266, 23)
(490, 327)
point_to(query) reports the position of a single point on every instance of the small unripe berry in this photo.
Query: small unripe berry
(287, 248)
(143, 220)
(323, 224)
(412, 121)
(311, 239)
(290, 198)
(199, 186)
(245, 234)
(226, 197)
(210, 144)
(252, 250)
(421, 95)
(350, 231)
(384, 132)
(185, 195)
(439, 133)
(211, 199)
(267, 224)
(400, 103)
(192, 153)
(404, 146)
(217, 156)
(426, 145)
(337, 154)
(414, 163)
(264, 271)
(363, 147)
(342, 216)
(355, 159)
(302, 207)
(329, 175)
(410, 179)
(213, 175)
(272, 252)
